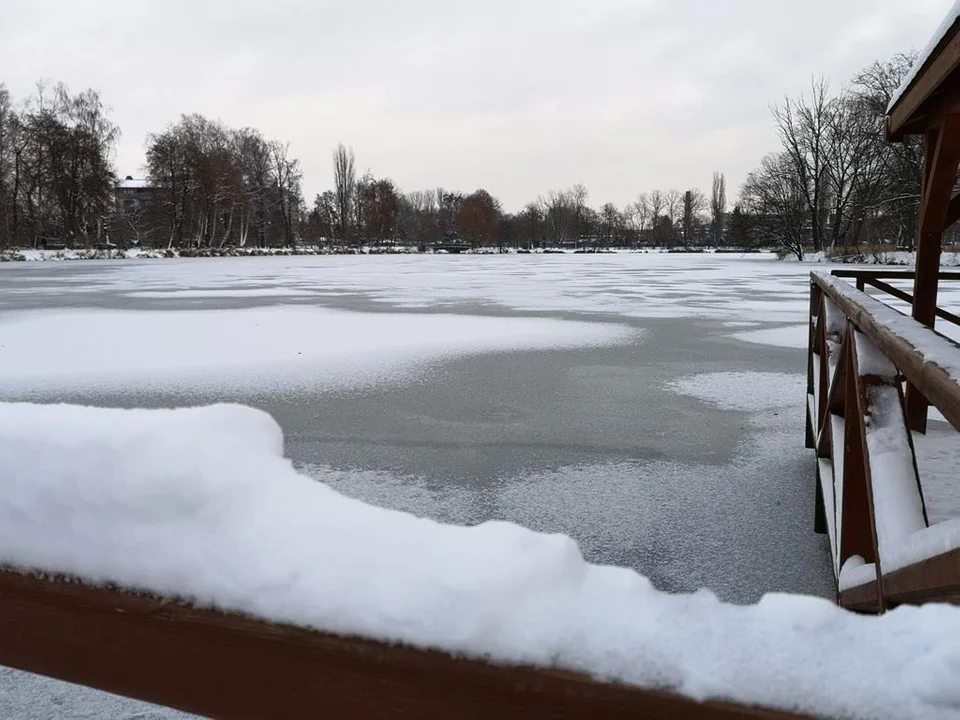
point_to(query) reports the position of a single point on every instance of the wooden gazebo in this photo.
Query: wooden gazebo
(863, 353)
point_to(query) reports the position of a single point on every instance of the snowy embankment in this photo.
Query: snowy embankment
(883, 257)
(201, 504)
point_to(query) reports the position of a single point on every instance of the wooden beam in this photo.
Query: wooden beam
(933, 580)
(953, 211)
(890, 274)
(943, 158)
(940, 175)
(857, 533)
(930, 80)
(229, 666)
(863, 598)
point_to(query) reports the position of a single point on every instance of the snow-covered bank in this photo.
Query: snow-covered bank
(202, 504)
(138, 253)
(908, 258)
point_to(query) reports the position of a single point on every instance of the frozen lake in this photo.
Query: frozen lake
(649, 406)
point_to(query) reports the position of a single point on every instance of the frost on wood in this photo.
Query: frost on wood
(208, 509)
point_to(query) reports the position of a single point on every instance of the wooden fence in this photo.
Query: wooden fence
(869, 498)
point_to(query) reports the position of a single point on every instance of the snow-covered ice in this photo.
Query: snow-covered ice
(789, 336)
(210, 510)
(748, 391)
(262, 348)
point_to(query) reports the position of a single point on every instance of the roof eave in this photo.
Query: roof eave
(930, 94)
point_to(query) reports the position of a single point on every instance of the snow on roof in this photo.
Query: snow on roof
(927, 54)
(200, 503)
(130, 183)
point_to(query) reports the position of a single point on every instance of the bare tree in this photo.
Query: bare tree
(345, 186)
(774, 196)
(640, 214)
(718, 207)
(804, 127)
(287, 176)
(895, 211)
(563, 212)
(694, 205)
(673, 200)
(6, 162)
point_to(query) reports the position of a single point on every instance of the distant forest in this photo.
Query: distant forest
(834, 183)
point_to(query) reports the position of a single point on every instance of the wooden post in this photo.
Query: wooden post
(939, 176)
(857, 534)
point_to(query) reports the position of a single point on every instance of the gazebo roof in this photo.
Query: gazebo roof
(933, 85)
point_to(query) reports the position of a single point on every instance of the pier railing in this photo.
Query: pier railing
(869, 496)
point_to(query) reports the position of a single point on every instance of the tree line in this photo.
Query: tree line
(211, 186)
(835, 182)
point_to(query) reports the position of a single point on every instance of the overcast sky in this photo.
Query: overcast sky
(515, 96)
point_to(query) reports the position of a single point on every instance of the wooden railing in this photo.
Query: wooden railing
(869, 498)
(228, 666)
(877, 278)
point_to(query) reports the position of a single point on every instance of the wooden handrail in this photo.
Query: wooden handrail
(873, 277)
(876, 320)
(229, 666)
(842, 397)
(890, 274)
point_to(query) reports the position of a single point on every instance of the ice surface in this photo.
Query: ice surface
(754, 288)
(210, 510)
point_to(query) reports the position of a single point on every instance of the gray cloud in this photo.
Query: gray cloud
(515, 96)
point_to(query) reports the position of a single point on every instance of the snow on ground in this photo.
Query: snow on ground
(749, 391)
(235, 526)
(259, 348)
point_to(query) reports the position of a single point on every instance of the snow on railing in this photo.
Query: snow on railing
(869, 489)
(194, 566)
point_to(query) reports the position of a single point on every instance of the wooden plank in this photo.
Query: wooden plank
(932, 78)
(229, 666)
(953, 211)
(931, 379)
(933, 580)
(837, 431)
(863, 598)
(825, 479)
(857, 534)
